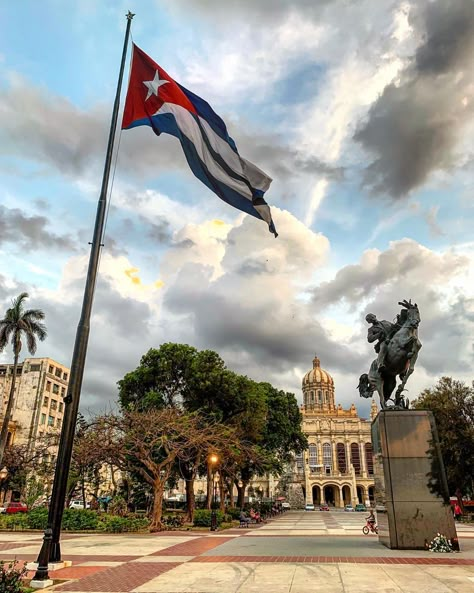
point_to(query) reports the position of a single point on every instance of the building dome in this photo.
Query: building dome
(317, 375)
(318, 389)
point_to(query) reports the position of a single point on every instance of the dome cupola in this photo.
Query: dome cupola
(318, 389)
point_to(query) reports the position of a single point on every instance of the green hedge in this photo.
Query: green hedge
(202, 518)
(75, 520)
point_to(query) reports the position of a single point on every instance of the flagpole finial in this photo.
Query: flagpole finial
(130, 15)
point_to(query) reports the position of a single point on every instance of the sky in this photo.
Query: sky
(360, 111)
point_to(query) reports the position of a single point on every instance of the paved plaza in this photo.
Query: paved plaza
(296, 553)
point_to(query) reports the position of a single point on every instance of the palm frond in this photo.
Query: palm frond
(33, 314)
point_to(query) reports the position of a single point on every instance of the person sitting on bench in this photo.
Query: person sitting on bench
(244, 520)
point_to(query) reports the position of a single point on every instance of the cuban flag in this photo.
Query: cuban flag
(155, 99)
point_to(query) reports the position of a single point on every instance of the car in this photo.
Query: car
(285, 505)
(349, 508)
(16, 507)
(3, 510)
(323, 507)
(309, 507)
(78, 504)
(360, 507)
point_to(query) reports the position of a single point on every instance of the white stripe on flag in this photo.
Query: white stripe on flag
(190, 128)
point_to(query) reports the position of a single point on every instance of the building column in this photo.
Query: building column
(363, 464)
(320, 452)
(341, 497)
(348, 457)
(335, 468)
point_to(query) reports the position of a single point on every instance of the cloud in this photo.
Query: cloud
(415, 125)
(405, 263)
(30, 232)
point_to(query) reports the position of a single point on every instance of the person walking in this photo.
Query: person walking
(457, 512)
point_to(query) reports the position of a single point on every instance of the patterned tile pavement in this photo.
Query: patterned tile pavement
(295, 553)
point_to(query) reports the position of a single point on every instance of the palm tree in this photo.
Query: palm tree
(16, 322)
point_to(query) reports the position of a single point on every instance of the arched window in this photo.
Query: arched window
(327, 457)
(341, 458)
(313, 456)
(369, 459)
(312, 397)
(355, 457)
(319, 397)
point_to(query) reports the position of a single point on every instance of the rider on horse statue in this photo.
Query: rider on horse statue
(397, 347)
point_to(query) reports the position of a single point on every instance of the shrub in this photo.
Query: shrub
(202, 518)
(114, 524)
(118, 506)
(234, 513)
(80, 520)
(172, 521)
(16, 521)
(37, 518)
(11, 577)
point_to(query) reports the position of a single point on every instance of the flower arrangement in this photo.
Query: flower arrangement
(440, 543)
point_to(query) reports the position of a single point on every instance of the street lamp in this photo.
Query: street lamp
(213, 460)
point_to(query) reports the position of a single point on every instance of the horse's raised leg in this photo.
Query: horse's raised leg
(399, 399)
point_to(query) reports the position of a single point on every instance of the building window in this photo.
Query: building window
(45, 400)
(50, 421)
(355, 457)
(299, 461)
(63, 391)
(55, 389)
(54, 404)
(34, 368)
(313, 456)
(61, 406)
(65, 376)
(319, 397)
(58, 422)
(48, 385)
(341, 458)
(43, 418)
(327, 458)
(51, 369)
(369, 459)
(312, 397)
(58, 373)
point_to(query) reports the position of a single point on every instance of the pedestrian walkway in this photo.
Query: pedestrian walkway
(268, 558)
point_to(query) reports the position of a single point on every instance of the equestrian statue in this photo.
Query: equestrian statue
(397, 346)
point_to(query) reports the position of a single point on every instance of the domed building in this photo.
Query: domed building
(337, 468)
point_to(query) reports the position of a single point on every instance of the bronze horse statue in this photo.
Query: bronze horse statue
(400, 346)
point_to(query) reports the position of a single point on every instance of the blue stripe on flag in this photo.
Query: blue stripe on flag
(166, 123)
(207, 112)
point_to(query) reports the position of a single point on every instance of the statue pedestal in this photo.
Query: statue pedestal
(411, 496)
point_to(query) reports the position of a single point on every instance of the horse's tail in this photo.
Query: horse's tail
(364, 386)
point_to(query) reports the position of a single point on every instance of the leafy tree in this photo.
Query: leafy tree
(152, 442)
(452, 404)
(16, 324)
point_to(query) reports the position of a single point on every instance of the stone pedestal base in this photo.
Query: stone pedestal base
(41, 584)
(412, 501)
(52, 566)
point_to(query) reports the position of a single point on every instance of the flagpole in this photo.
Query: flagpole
(51, 550)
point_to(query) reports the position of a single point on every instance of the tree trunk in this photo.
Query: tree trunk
(157, 512)
(241, 493)
(83, 492)
(112, 479)
(230, 490)
(221, 493)
(8, 412)
(190, 500)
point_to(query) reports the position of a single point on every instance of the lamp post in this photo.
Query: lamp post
(213, 459)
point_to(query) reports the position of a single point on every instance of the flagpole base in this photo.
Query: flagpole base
(51, 565)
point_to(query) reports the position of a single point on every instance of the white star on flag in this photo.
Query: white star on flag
(154, 85)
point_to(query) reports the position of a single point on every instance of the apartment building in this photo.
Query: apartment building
(38, 407)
